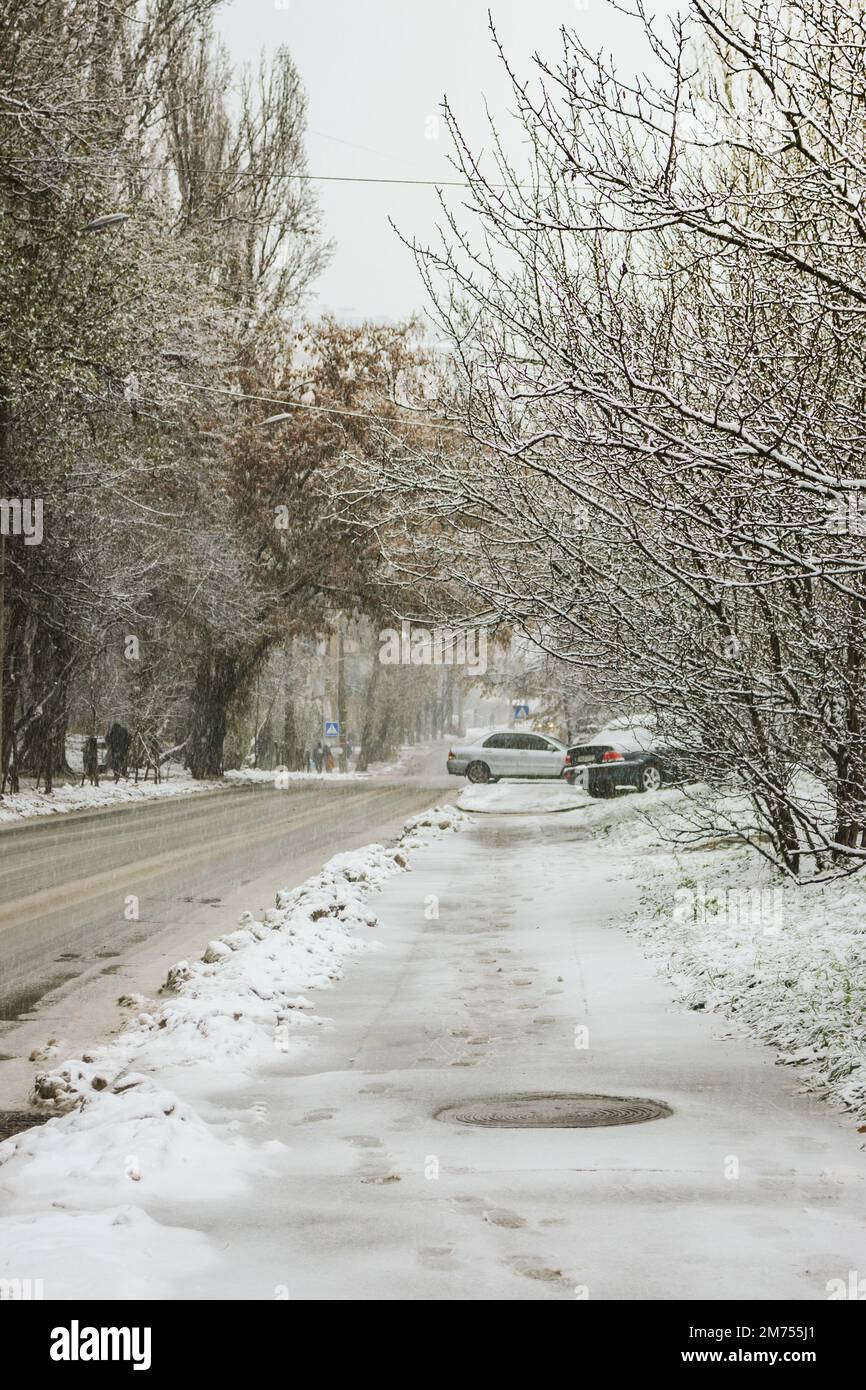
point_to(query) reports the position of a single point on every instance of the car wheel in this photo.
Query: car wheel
(649, 778)
(478, 772)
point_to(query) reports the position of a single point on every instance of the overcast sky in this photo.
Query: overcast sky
(375, 72)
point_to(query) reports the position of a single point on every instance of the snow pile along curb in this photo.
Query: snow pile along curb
(117, 1128)
(280, 777)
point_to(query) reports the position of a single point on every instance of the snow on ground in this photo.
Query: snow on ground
(149, 1119)
(281, 777)
(528, 797)
(72, 797)
(118, 1252)
(117, 1130)
(786, 962)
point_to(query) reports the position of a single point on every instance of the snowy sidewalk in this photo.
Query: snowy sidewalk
(503, 967)
(380, 1200)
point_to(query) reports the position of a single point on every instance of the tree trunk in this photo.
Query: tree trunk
(365, 751)
(42, 744)
(217, 681)
(290, 738)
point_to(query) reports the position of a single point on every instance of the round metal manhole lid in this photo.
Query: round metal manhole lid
(557, 1110)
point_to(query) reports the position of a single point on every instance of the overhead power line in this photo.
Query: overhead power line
(229, 174)
(289, 406)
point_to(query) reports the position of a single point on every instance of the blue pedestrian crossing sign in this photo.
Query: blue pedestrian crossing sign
(332, 728)
(521, 711)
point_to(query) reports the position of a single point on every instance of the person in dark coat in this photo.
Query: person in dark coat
(118, 740)
(90, 768)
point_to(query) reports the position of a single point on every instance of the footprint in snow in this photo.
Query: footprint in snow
(498, 1216)
(534, 1267)
(438, 1257)
(378, 1176)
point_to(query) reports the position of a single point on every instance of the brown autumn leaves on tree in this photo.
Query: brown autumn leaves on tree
(310, 560)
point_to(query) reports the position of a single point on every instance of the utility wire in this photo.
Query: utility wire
(235, 174)
(322, 409)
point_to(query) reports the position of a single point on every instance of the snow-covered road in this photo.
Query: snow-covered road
(503, 967)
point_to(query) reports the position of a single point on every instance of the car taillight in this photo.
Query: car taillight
(567, 760)
(611, 756)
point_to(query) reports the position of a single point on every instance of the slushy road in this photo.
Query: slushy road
(70, 888)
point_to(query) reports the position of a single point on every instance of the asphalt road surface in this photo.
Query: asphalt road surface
(70, 941)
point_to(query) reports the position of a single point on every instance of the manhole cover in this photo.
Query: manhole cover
(555, 1111)
(14, 1121)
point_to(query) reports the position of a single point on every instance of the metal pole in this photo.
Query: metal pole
(341, 698)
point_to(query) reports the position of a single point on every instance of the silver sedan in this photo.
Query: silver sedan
(508, 755)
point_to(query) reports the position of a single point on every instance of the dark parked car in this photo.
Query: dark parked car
(620, 756)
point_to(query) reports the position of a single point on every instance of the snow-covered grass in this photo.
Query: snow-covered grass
(71, 797)
(785, 962)
(123, 1126)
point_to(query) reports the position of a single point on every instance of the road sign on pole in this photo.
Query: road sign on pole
(332, 728)
(521, 711)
